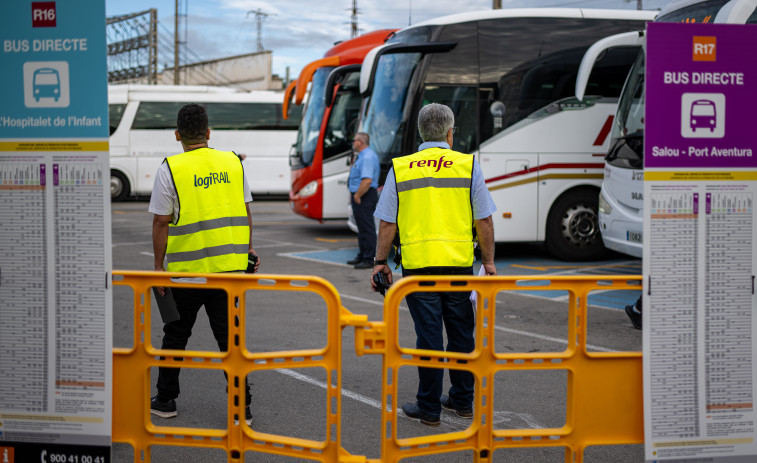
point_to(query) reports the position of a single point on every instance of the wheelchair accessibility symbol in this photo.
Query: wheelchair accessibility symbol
(703, 115)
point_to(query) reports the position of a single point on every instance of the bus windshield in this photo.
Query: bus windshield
(383, 116)
(629, 120)
(307, 135)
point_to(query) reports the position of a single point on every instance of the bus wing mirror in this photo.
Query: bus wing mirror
(368, 72)
(597, 50)
(335, 77)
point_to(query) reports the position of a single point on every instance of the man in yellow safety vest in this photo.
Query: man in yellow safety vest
(434, 198)
(201, 224)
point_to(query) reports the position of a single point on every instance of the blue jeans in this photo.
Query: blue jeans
(176, 334)
(431, 313)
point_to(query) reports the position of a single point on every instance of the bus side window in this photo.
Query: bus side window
(463, 102)
(115, 112)
(156, 115)
(243, 116)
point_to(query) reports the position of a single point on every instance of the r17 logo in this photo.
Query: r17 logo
(43, 14)
(704, 48)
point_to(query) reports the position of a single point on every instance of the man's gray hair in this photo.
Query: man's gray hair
(434, 121)
(363, 137)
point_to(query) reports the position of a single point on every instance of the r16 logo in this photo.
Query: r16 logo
(43, 14)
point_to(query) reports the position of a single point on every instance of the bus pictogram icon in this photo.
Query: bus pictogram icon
(46, 84)
(703, 115)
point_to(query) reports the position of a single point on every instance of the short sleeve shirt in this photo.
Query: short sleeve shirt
(481, 199)
(164, 200)
(366, 166)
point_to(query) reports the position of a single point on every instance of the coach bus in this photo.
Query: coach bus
(321, 157)
(621, 197)
(143, 121)
(509, 77)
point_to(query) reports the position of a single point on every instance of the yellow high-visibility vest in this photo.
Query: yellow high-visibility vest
(212, 233)
(435, 213)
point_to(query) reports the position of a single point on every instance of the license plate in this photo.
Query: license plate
(634, 237)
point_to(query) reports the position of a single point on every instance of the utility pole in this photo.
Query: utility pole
(353, 21)
(496, 4)
(259, 18)
(176, 43)
(179, 17)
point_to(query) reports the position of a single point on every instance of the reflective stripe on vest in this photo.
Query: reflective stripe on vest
(434, 214)
(212, 233)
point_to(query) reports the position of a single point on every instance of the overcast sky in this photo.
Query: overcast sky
(300, 31)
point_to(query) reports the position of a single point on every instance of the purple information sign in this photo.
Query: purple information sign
(700, 85)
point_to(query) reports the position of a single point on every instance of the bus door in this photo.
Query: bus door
(340, 126)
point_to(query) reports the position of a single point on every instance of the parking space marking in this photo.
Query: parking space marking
(451, 421)
(606, 299)
(561, 341)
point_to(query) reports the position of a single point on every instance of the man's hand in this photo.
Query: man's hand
(384, 269)
(257, 261)
(491, 270)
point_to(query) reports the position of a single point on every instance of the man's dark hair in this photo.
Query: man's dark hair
(192, 124)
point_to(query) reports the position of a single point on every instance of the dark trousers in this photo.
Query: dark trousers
(176, 334)
(366, 227)
(433, 312)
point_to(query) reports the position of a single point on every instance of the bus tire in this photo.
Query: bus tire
(573, 227)
(119, 186)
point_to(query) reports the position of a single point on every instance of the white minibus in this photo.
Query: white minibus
(143, 121)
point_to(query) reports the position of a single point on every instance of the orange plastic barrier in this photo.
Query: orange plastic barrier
(604, 390)
(599, 390)
(131, 371)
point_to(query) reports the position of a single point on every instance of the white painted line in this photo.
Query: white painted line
(454, 422)
(272, 245)
(145, 253)
(135, 243)
(498, 328)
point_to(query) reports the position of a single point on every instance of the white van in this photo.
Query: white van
(143, 121)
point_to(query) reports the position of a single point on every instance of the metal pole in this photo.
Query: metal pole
(176, 43)
(497, 4)
(153, 51)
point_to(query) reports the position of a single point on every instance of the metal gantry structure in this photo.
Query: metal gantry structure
(133, 46)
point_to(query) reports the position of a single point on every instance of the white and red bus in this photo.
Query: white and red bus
(320, 159)
(509, 76)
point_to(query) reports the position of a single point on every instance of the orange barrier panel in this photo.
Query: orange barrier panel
(599, 389)
(131, 371)
(603, 389)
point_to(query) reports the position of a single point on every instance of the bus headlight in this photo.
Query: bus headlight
(604, 206)
(309, 189)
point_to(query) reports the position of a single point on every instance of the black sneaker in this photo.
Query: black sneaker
(461, 412)
(354, 261)
(634, 316)
(364, 264)
(247, 417)
(412, 411)
(163, 409)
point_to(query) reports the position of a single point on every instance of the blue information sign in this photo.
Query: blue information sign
(54, 70)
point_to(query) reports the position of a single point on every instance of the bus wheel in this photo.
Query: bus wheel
(573, 227)
(119, 186)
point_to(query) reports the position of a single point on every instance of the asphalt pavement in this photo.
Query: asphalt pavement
(292, 402)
